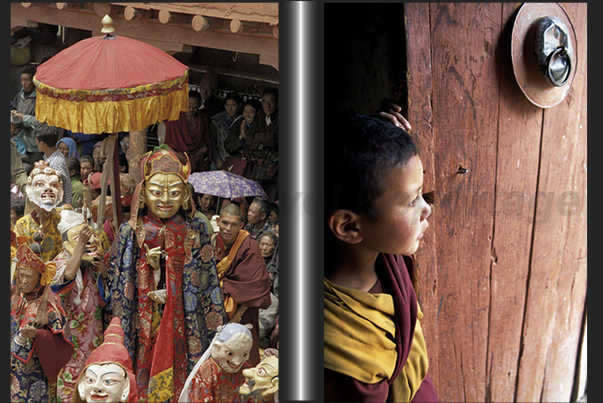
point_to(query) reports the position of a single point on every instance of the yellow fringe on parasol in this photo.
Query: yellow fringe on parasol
(110, 117)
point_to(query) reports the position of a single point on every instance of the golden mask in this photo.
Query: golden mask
(164, 194)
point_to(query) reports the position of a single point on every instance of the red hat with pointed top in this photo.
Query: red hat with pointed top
(113, 351)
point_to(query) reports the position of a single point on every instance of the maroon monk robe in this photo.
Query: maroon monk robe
(246, 280)
(54, 350)
(395, 272)
(182, 138)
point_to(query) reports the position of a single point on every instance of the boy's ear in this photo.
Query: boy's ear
(345, 226)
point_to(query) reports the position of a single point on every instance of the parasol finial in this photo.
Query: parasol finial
(107, 24)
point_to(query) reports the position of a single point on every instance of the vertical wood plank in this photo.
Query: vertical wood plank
(519, 124)
(465, 110)
(418, 55)
(557, 284)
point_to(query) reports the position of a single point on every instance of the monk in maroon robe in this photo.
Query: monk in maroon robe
(374, 349)
(242, 272)
(395, 273)
(190, 134)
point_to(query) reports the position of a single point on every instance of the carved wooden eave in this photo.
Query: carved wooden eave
(172, 27)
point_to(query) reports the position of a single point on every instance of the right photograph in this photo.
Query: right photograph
(455, 202)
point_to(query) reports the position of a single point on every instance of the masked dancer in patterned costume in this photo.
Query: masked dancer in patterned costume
(261, 382)
(81, 283)
(163, 279)
(40, 340)
(108, 374)
(44, 193)
(218, 375)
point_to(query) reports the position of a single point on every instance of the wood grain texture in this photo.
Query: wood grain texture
(151, 30)
(465, 119)
(138, 147)
(557, 283)
(168, 17)
(200, 23)
(132, 13)
(416, 19)
(509, 236)
(261, 12)
(103, 9)
(519, 124)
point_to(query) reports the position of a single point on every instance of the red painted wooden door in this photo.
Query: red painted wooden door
(503, 265)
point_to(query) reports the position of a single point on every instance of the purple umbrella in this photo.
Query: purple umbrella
(225, 184)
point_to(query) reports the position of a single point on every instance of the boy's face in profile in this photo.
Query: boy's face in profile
(402, 213)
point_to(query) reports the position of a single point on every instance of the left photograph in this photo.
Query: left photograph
(144, 202)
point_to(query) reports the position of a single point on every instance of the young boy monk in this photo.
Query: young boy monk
(375, 218)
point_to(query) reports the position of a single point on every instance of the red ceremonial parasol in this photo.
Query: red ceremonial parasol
(110, 84)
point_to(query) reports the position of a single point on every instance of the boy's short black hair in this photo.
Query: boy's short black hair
(87, 158)
(359, 151)
(48, 135)
(73, 164)
(18, 206)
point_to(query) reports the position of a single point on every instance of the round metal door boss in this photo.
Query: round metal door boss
(544, 53)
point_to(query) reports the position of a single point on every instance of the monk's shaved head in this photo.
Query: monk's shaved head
(232, 209)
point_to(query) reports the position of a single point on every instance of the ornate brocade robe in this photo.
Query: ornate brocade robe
(166, 341)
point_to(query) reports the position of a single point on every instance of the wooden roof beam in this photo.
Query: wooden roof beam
(133, 13)
(65, 6)
(202, 23)
(103, 9)
(168, 17)
(239, 27)
(16, 22)
(257, 12)
(264, 45)
(166, 46)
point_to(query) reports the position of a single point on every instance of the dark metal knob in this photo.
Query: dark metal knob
(553, 50)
